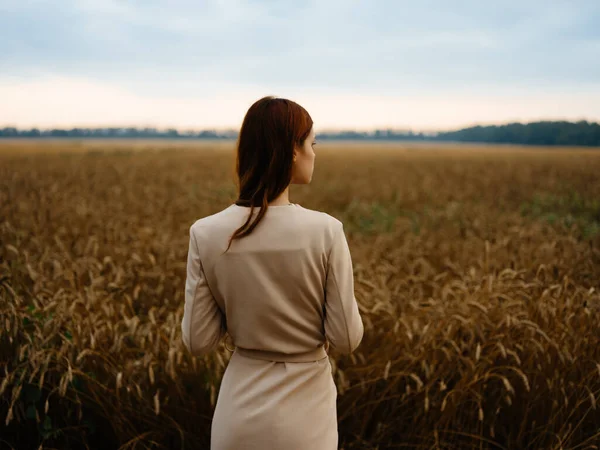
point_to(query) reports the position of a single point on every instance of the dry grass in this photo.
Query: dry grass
(479, 298)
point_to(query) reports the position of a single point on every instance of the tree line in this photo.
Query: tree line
(582, 133)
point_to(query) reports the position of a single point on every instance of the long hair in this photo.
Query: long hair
(271, 129)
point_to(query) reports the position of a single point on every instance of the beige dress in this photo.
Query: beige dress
(281, 293)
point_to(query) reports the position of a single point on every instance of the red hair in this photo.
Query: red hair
(271, 129)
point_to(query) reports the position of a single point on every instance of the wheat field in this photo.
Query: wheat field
(477, 272)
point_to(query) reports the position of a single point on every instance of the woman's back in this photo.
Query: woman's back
(281, 289)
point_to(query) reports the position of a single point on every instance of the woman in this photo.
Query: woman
(277, 278)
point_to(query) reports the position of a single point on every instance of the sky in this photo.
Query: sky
(199, 64)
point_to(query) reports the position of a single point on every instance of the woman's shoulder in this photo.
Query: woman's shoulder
(322, 218)
(212, 220)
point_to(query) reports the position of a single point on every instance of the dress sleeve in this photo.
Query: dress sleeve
(203, 324)
(343, 325)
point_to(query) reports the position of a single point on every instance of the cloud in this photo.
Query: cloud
(188, 49)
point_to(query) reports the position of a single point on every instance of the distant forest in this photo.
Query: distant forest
(536, 133)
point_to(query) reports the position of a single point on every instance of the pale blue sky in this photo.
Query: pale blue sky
(353, 64)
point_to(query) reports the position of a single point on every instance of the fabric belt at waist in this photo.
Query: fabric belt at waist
(312, 355)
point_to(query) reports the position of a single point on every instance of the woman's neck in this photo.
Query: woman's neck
(283, 199)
